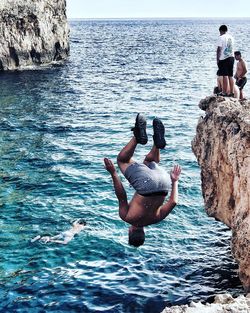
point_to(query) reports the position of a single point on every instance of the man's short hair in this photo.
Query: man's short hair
(223, 28)
(237, 53)
(136, 238)
(81, 221)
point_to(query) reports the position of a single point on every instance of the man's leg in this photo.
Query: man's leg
(220, 82)
(159, 142)
(225, 84)
(230, 66)
(153, 155)
(241, 94)
(124, 158)
(231, 84)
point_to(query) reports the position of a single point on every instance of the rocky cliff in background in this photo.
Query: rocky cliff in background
(32, 33)
(222, 148)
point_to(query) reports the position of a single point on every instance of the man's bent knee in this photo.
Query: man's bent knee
(122, 158)
(123, 165)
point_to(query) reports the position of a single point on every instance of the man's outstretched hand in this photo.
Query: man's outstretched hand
(175, 173)
(109, 165)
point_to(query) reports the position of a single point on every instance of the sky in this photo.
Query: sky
(157, 8)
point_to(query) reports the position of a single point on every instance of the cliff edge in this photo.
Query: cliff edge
(222, 148)
(32, 33)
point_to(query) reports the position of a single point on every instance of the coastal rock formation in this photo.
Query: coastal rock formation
(222, 148)
(222, 304)
(32, 33)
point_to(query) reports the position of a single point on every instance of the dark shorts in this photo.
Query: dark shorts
(226, 67)
(218, 73)
(241, 82)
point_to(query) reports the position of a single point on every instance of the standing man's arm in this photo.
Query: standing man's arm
(119, 189)
(218, 53)
(166, 208)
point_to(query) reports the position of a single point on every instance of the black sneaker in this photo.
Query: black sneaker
(159, 133)
(140, 129)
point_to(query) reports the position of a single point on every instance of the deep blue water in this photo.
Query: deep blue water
(57, 124)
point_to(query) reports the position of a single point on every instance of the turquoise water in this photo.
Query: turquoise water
(57, 125)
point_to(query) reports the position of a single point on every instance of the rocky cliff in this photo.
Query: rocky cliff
(32, 33)
(222, 304)
(222, 148)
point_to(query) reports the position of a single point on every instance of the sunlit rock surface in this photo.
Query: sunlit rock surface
(32, 33)
(222, 148)
(222, 304)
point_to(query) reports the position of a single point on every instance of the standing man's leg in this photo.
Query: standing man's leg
(220, 83)
(223, 70)
(230, 65)
(225, 84)
(241, 94)
(231, 84)
(241, 84)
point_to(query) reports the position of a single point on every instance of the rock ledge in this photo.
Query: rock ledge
(222, 304)
(32, 33)
(222, 148)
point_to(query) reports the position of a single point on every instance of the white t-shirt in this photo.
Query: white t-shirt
(226, 43)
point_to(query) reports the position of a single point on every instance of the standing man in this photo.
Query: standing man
(150, 181)
(241, 71)
(225, 60)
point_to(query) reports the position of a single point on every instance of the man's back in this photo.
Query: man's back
(226, 43)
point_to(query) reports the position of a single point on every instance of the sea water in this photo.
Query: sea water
(57, 124)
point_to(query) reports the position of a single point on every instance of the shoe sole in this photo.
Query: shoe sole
(159, 134)
(140, 129)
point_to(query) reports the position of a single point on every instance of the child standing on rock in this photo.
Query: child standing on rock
(240, 74)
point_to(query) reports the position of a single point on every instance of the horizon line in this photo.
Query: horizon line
(156, 18)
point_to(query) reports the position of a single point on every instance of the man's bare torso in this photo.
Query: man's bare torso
(240, 69)
(143, 210)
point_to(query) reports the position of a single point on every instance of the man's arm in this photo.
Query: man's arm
(63, 242)
(166, 208)
(218, 53)
(119, 189)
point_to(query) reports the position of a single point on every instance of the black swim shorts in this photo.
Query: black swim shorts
(241, 82)
(226, 67)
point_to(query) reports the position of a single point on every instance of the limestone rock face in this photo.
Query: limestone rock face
(222, 148)
(222, 304)
(32, 33)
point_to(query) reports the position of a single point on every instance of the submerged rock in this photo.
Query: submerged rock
(222, 304)
(222, 148)
(32, 33)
